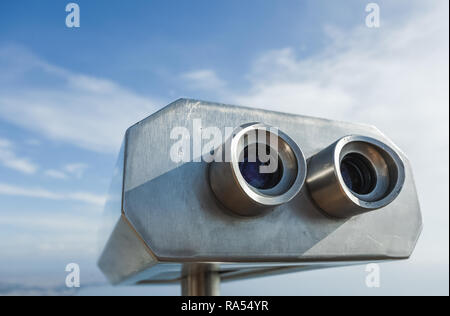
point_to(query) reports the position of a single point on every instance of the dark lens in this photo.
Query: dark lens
(251, 174)
(358, 173)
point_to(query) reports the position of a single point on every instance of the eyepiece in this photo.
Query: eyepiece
(257, 169)
(356, 174)
(251, 170)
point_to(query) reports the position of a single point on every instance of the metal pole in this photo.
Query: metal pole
(200, 279)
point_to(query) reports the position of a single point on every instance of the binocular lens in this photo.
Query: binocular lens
(358, 174)
(250, 170)
(266, 169)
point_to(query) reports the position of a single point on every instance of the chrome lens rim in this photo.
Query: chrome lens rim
(387, 164)
(292, 159)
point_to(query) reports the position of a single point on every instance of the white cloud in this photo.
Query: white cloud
(70, 170)
(10, 190)
(55, 234)
(374, 76)
(4, 143)
(76, 169)
(89, 112)
(57, 222)
(203, 79)
(56, 174)
(9, 159)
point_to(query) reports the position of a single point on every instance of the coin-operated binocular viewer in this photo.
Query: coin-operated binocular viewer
(206, 192)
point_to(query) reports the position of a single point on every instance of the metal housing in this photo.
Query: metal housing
(232, 189)
(163, 216)
(327, 186)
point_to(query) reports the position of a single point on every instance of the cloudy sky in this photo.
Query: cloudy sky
(67, 96)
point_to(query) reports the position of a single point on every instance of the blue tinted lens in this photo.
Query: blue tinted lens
(251, 174)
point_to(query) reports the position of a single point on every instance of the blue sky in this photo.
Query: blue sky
(67, 96)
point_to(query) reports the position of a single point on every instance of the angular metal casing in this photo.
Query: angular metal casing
(163, 216)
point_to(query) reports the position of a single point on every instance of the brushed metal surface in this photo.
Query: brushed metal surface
(329, 190)
(174, 212)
